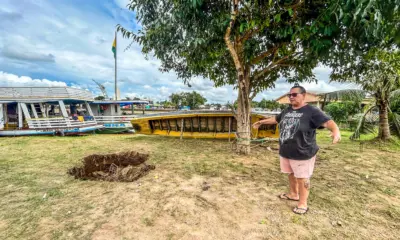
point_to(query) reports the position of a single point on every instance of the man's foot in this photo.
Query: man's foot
(286, 197)
(300, 210)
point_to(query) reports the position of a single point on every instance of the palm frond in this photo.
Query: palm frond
(363, 125)
(394, 121)
(354, 95)
(394, 98)
(345, 95)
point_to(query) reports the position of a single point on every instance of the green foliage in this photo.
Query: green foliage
(365, 25)
(268, 104)
(276, 38)
(191, 99)
(264, 104)
(167, 104)
(341, 111)
(394, 120)
(377, 72)
(99, 98)
(395, 101)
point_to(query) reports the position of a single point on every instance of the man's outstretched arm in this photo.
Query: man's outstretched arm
(271, 120)
(335, 132)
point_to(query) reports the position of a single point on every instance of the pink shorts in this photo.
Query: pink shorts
(300, 168)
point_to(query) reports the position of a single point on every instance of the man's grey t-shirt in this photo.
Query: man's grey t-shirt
(297, 130)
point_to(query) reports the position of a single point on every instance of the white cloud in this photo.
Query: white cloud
(122, 3)
(164, 90)
(11, 80)
(147, 87)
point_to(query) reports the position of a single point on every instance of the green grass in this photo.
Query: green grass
(355, 183)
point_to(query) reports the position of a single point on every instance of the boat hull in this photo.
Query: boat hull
(113, 128)
(211, 125)
(32, 132)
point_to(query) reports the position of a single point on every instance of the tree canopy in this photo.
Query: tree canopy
(274, 38)
(252, 43)
(191, 99)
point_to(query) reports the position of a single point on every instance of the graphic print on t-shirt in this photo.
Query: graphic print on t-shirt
(289, 126)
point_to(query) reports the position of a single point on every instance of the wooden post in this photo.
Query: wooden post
(229, 129)
(89, 109)
(43, 110)
(20, 123)
(181, 128)
(1, 117)
(34, 111)
(5, 115)
(63, 109)
(115, 67)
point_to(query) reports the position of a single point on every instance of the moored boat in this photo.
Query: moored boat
(110, 114)
(43, 111)
(200, 124)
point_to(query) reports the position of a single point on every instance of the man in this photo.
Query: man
(297, 144)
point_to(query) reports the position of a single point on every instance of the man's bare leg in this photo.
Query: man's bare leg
(304, 189)
(293, 187)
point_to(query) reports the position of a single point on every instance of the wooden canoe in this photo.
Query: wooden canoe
(200, 124)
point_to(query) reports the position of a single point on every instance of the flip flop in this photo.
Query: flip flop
(295, 210)
(286, 197)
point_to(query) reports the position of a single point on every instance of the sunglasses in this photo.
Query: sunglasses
(292, 95)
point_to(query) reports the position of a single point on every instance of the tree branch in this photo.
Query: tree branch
(264, 55)
(270, 67)
(233, 110)
(296, 5)
(228, 42)
(248, 34)
(253, 95)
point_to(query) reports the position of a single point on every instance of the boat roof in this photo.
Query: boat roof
(44, 94)
(120, 102)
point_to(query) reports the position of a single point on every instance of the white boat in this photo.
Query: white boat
(45, 111)
(110, 114)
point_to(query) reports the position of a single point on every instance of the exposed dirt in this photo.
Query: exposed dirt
(123, 167)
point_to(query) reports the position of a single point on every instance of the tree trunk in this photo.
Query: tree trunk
(384, 130)
(243, 115)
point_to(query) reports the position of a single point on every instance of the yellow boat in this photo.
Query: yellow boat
(200, 124)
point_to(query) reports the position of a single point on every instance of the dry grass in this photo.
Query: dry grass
(355, 192)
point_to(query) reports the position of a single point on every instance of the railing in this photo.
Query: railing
(114, 119)
(58, 123)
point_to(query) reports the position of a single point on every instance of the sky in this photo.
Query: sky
(68, 43)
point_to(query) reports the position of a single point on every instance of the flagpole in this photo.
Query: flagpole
(116, 96)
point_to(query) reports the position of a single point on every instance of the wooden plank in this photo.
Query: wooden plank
(34, 110)
(42, 109)
(159, 121)
(208, 128)
(25, 111)
(191, 124)
(215, 124)
(63, 109)
(176, 124)
(168, 126)
(222, 124)
(199, 123)
(89, 109)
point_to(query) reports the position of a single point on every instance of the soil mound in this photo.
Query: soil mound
(123, 167)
